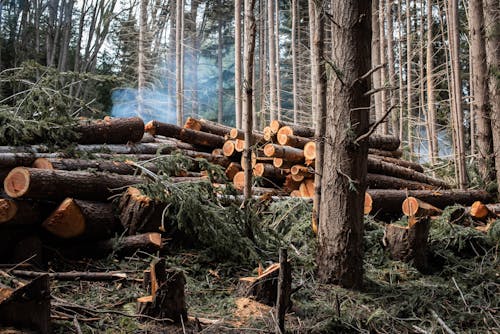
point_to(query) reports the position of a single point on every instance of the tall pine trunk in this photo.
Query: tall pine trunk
(179, 87)
(294, 61)
(237, 62)
(340, 249)
(220, 82)
(272, 60)
(431, 108)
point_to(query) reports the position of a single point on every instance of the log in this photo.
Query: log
(167, 300)
(86, 219)
(413, 207)
(481, 211)
(28, 250)
(377, 166)
(307, 188)
(232, 169)
(239, 180)
(268, 171)
(11, 160)
(147, 242)
(268, 134)
(263, 288)
(24, 182)
(295, 193)
(407, 243)
(207, 126)
(110, 130)
(14, 212)
(291, 140)
(310, 150)
(379, 181)
(288, 153)
(239, 145)
(73, 275)
(186, 135)
(391, 154)
(229, 149)
(283, 301)
(27, 307)
(258, 138)
(390, 200)
(282, 163)
(275, 125)
(403, 163)
(290, 184)
(115, 167)
(296, 130)
(383, 142)
(368, 206)
(139, 213)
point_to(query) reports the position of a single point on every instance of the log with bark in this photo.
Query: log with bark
(379, 181)
(268, 171)
(117, 167)
(186, 135)
(291, 140)
(306, 188)
(383, 142)
(77, 218)
(167, 299)
(207, 126)
(72, 275)
(24, 182)
(269, 135)
(232, 169)
(258, 138)
(296, 130)
(413, 207)
(229, 149)
(390, 200)
(409, 243)
(147, 242)
(110, 130)
(403, 163)
(282, 163)
(481, 211)
(27, 307)
(396, 154)
(16, 212)
(139, 213)
(288, 153)
(310, 152)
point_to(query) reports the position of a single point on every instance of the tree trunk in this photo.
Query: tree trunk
(340, 254)
(294, 61)
(391, 65)
(141, 56)
(277, 53)
(207, 126)
(248, 59)
(384, 128)
(492, 33)
(272, 60)
(186, 135)
(220, 81)
(376, 109)
(111, 131)
(179, 36)
(431, 103)
(409, 83)
(237, 63)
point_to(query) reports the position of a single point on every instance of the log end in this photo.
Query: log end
(307, 188)
(239, 180)
(42, 163)
(150, 127)
(17, 182)
(233, 134)
(269, 150)
(310, 151)
(228, 148)
(368, 204)
(155, 239)
(67, 221)
(258, 169)
(8, 210)
(193, 124)
(239, 145)
(285, 131)
(282, 139)
(410, 206)
(275, 126)
(479, 210)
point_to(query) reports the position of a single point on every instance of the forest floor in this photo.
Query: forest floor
(461, 292)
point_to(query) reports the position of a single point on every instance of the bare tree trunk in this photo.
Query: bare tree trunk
(340, 249)
(456, 101)
(314, 79)
(141, 65)
(194, 58)
(237, 62)
(272, 60)
(431, 108)
(391, 65)
(179, 36)
(319, 88)
(421, 81)
(409, 78)
(220, 89)
(248, 54)
(400, 71)
(492, 33)
(376, 111)
(384, 128)
(294, 60)
(66, 28)
(262, 60)
(480, 88)
(278, 67)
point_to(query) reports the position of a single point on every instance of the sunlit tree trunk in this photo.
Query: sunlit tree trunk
(314, 79)
(431, 108)
(409, 82)
(237, 62)
(384, 128)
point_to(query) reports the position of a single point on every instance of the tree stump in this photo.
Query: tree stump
(263, 288)
(407, 243)
(139, 213)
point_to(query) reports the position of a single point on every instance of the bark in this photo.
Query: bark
(239, 134)
(111, 131)
(220, 81)
(248, 59)
(492, 32)
(298, 130)
(286, 152)
(141, 55)
(284, 289)
(232, 169)
(384, 128)
(55, 184)
(383, 142)
(268, 171)
(390, 154)
(409, 83)
(85, 219)
(431, 108)
(376, 83)
(340, 254)
(237, 63)
(379, 181)
(391, 64)
(278, 67)
(14, 212)
(413, 207)
(272, 61)
(73, 275)
(179, 37)
(185, 135)
(115, 167)
(390, 200)
(291, 140)
(28, 307)
(403, 163)
(294, 61)
(148, 242)
(207, 126)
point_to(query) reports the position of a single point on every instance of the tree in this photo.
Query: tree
(273, 105)
(179, 36)
(340, 250)
(431, 109)
(237, 62)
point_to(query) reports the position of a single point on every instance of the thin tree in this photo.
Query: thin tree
(376, 97)
(340, 249)
(141, 64)
(384, 128)
(220, 85)
(294, 61)
(391, 64)
(248, 59)
(431, 108)
(409, 82)
(312, 28)
(272, 60)
(237, 62)
(179, 88)
(278, 67)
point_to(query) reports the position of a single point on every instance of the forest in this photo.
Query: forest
(286, 166)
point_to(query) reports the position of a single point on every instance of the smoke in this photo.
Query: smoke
(156, 105)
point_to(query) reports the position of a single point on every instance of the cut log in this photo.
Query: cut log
(11, 160)
(28, 307)
(379, 181)
(268, 134)
(290, 184)
(275, 125)
(310, 150)
(139, 213)
(77, 218)
(110, 131)
(229, 148)
(56, 184)
(481, 211)
(232, 169)
(268, 171)
(19, 213)
(403, 163)
(73, 275)
(295, 193)
(28, 250)
(263, 288)
(282, 163)
(307, 188)
(207, 126)
(258, 138)
(167, 294)
(82, 164)
(413, 207)
(383, 142)
(291, 140)
(390, 200)
(147, 242)
(186, 135)
(296, 130)
(377, 166)
(239, 145)
(217, 151)
(391, 154)
(288, 153)
(368, 204)
(239, 180)
(408, 243)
